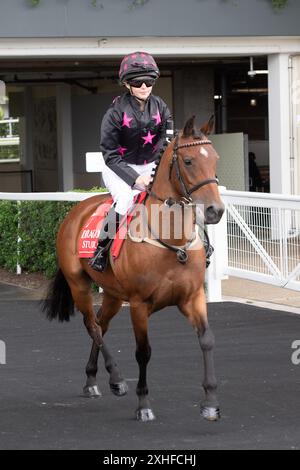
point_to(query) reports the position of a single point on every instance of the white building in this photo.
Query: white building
(59, 63)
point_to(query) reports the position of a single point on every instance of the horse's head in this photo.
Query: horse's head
(195, 162)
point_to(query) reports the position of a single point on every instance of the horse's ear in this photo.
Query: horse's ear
(189, 129)
(208, 126)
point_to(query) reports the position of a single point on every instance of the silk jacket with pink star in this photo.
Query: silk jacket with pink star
(129, 135)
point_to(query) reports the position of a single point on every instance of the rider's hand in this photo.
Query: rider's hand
(143, 180)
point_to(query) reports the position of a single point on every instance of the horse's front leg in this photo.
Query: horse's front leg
(139, 317)
(196, 311)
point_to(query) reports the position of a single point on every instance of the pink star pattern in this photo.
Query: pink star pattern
(148, 139)
(157, 118)
(126, 120)
(121, 150)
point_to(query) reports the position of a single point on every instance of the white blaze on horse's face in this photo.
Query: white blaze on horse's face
(204, 152)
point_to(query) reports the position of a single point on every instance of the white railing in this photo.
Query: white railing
(10, 139)
(263, 236)
(59, 196)
(9, 122)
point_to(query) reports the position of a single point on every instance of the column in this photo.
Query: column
(193, 90)
(295, 95)
(64, 138)
(26, 129)
(279, 123)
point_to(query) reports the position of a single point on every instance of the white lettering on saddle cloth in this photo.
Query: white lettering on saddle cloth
(89, 235)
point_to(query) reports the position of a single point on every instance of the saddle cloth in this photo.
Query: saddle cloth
(89, 234)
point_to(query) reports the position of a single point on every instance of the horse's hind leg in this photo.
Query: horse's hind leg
(139, 316)
(109, 308)
(80, 286)
(196, 311)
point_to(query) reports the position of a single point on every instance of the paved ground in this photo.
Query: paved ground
(40, 386)
(235, 287)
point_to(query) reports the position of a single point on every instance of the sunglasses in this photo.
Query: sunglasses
(138, 82)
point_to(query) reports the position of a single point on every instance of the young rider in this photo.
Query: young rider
(132, 134)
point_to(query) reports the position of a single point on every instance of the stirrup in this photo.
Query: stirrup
(99, 261)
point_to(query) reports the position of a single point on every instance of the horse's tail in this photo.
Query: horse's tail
(59, 302)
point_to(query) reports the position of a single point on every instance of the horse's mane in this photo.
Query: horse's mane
(157, 161)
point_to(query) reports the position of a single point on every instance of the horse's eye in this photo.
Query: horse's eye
(187, 162)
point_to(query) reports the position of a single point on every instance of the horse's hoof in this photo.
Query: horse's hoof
(144, 414)
(210, 413)
(92, 391)
(119, 389)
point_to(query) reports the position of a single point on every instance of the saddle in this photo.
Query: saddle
(89, 234)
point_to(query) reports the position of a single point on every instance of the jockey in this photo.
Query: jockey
(133, 131)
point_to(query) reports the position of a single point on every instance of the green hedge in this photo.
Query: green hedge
(40, 221)
(9, 152)
(38, 225)
(8, 234)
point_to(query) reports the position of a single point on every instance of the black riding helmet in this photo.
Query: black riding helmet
(138, 64)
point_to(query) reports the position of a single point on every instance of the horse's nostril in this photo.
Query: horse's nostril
(213, 214)
(211, 211)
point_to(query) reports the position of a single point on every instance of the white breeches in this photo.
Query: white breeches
(122, 194)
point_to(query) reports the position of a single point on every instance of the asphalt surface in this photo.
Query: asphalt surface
(41, 406)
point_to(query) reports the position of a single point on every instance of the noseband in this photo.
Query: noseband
(174, 163)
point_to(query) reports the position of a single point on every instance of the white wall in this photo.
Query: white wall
(232, 169)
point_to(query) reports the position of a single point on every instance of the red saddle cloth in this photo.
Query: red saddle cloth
(89, 234)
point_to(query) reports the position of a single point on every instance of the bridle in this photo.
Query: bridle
(181, 253)
(174, 163)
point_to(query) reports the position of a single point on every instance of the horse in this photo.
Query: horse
(149, 276)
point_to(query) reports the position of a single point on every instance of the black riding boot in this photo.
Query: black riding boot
(106, 237)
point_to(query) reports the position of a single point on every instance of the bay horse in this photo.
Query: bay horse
(148, 276)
